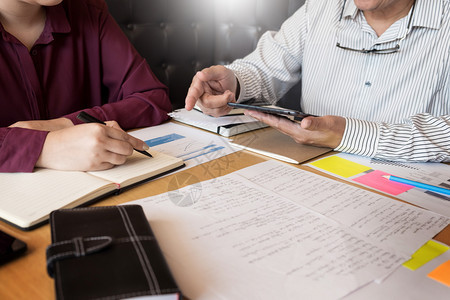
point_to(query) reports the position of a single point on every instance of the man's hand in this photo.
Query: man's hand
(324, 131)
(212, 88)
(88, 147)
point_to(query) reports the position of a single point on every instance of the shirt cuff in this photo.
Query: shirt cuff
(242, 90)
(21, 149)
(73, 117)
(360, 137)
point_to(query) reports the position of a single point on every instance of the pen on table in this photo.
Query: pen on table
(421, 185)
(87, 118)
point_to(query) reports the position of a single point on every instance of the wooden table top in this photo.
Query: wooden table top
(26, 277)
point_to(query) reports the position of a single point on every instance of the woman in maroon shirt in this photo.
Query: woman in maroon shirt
(59, 57)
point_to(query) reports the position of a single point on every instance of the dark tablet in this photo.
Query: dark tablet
(297, 115)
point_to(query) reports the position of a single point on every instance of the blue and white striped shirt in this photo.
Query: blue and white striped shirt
(397, 105)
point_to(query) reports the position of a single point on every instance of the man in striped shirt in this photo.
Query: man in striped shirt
(377, 72)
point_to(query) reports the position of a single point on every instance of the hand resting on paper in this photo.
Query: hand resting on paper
(88, 147)
(326, 131)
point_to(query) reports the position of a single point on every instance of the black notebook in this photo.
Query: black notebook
(107, 253)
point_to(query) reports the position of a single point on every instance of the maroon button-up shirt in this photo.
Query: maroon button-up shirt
(81, 61)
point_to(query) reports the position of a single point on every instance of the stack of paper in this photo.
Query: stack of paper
(273, 231)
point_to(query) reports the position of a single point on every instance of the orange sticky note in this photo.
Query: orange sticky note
(442, 273)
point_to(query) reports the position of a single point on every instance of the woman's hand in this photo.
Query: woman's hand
(88, 147)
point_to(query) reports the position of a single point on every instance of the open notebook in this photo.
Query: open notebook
(28, 198)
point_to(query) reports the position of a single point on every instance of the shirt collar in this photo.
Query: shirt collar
(426, 13)
(350, 10)
(56, 22)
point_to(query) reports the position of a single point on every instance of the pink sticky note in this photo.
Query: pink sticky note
(373, 179)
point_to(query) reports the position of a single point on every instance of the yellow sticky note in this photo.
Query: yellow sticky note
(424, 254)
(442, 273)
(340, 166)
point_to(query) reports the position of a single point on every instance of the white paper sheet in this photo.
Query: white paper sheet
(407, 284)
(386, 221)
(194, 146)
(238, 240)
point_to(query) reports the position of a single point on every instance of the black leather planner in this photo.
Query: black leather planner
(106, 253)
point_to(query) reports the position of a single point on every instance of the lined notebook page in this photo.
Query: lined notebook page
(139, 167)
(28, 198)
